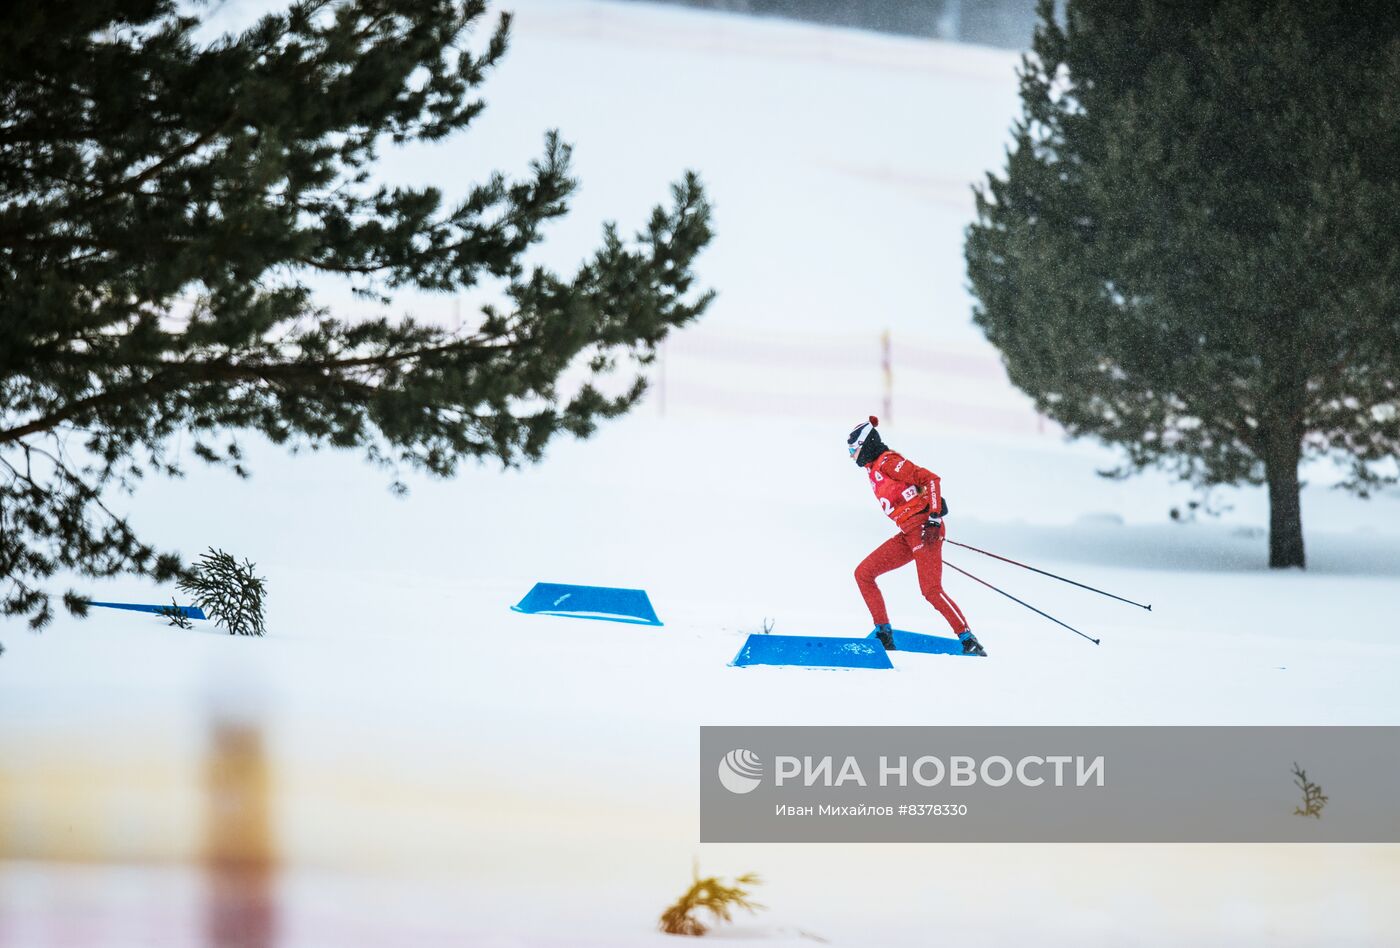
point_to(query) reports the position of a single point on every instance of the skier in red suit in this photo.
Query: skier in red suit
(911, 497)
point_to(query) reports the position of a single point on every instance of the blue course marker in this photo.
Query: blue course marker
(589, 602)
(813, 651)
(929, 644)
(191, 612)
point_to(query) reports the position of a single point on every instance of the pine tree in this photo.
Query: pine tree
(1191, 253)
(165, 202)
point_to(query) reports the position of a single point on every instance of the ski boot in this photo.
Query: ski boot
(970, 644)
(885, 633)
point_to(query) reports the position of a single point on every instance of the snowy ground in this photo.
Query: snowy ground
(446, 771)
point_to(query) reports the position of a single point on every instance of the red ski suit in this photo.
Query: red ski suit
(907, 493)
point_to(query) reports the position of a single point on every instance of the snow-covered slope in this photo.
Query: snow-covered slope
(446, 771)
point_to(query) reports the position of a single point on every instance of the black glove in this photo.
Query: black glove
(933, 529)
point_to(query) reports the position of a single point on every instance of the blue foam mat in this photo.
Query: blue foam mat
(191, 612)
(589, 602)
(928, 644)
(813, 651)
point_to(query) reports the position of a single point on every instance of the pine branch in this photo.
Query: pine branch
(711, 895)
(175, 377)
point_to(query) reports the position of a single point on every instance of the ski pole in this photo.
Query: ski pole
(1026, 604)
(1063, 579)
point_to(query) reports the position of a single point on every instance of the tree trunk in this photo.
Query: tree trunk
(1285, 512)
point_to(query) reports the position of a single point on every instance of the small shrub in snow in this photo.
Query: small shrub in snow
(709, 895)
(177, 616)
(1313, 797)
(229, 592)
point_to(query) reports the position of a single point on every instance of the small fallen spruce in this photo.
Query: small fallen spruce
(176, 616)
(231, 593)
(1313, 797)
(710, 895)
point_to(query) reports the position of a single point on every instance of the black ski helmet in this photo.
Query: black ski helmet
(863, 443)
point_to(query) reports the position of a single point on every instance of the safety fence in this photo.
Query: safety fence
(917, 382)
